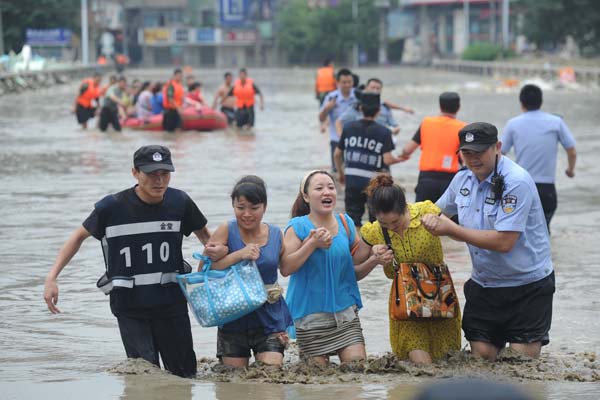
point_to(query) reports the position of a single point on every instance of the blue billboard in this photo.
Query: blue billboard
(48, 37)
(233, 12)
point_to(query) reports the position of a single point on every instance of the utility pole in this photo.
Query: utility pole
(493, 21)
(505, 24)
(355, 45)
(383, 6)
(125, 44)
(1, 33)
(85, 59)
(467, 22)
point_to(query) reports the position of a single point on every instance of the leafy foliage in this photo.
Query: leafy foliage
(18, 15)
(485, 51)
(551, 21)
(312, 34)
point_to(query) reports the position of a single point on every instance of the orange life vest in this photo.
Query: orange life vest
(88, 91)
(172, 90)
(244, 94)
(325, 80)
(439, 144)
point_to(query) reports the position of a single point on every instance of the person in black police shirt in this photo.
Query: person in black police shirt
(364, 149)
(141, 230)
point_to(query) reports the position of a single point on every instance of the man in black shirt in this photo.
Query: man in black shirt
(141, 231)
(364, 149)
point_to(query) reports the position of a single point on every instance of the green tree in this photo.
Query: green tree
(551, 21)
(309, 35)
(18, 15)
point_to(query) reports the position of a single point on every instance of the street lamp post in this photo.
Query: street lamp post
(84, 33)
(355, 45)
(505, 25)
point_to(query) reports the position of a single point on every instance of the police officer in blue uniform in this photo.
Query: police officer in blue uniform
(509, 295)
(141, 230)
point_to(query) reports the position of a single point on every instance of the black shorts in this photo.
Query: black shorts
(244, 116)
(171, 120)
(109, 116)
(84, 113)
(229, 113)
(432, 185)
(239, 344)
(547, 192)
(520, 314)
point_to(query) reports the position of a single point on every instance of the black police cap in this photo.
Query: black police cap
(478, 136)
(152, 158)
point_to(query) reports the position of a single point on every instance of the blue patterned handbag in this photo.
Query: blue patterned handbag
(218, 297)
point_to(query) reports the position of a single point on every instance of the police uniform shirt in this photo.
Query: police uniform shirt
(519, 210)
(384, 117)
(364, 142)
(341, 105)
(149, 241)
(535, 136)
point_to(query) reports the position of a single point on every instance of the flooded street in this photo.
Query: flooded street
(53, 172)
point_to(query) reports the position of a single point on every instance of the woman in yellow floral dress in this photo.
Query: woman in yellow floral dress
(419, 341)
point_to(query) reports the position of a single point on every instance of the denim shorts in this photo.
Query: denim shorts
(240, 344)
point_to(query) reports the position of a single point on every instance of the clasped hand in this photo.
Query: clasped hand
(321, 237)
(383, 255)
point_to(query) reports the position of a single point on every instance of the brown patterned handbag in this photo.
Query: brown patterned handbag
(421, 291)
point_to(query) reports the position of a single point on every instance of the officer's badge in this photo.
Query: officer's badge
(465, 191)
(157, 156)
(469, 137)
(490, 200)
(509, 203)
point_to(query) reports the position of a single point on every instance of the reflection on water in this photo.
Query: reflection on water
(53, 172)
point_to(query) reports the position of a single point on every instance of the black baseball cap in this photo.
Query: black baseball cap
(152, 158)
(478, 136)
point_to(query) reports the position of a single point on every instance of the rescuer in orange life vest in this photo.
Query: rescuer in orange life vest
(438, 138)
(173, 103)
(325, 81)
(87, 99)
(244, 91)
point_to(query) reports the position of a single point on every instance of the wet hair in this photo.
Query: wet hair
(243, 70)
(385, 196)
(375, 80)
(251, 187)
(342, 72)
(177, 71)
(193, 86)
(156, 87)
(301, 207)
(370, 111)
(449, 102)
(327, 62)
(145, 86)
(531, 97)
(227, 74)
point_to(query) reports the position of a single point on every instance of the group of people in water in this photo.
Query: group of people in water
(491, 203)
(118, 100)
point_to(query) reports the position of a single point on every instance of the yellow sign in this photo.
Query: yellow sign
(156, 35)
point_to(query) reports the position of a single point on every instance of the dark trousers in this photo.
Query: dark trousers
(229, 113)
(171, 120)
(169, 337)
(109, 116)
(547, 192)
(244, 116)
(432, 185)
(355, 201)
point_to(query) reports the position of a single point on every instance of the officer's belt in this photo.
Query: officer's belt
(106, 285)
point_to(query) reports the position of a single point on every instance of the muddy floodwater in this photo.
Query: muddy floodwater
(53, 172)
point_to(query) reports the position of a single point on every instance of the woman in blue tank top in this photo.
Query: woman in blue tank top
(323, 292)
(248, 238)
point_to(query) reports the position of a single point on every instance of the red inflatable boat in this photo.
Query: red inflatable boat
(204, 119)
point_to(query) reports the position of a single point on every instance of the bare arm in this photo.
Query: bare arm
(339, 127)
(399, 107)
(376, 255)
(325, 111)
(572, 158)
(440, 225)
(408, 149)
(214, 250)
(66, 253)
(389, 158)
(297, 252)
(339, 164)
